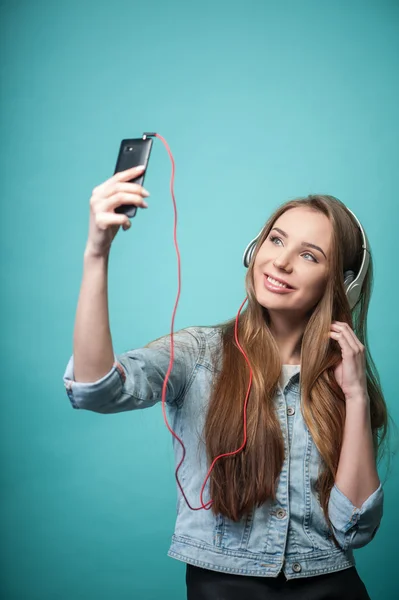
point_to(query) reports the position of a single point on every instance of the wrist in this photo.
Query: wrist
(359, 397)
(91, 254)
(356, 391)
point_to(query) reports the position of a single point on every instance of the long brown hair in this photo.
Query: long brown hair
(248, 479)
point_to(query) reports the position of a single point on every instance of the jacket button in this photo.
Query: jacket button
(290, 411)
(296, 567)
(281, 513)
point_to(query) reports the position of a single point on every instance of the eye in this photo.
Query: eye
(311, 255)
(273, 237)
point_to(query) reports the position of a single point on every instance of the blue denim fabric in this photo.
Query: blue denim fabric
(289, 534)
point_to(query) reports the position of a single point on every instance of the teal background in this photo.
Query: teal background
(260, 102)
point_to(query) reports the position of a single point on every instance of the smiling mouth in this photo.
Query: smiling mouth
(278, 283)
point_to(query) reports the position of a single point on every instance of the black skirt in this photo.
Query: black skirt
(204, 584)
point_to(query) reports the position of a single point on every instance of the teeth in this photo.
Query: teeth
(274, 282)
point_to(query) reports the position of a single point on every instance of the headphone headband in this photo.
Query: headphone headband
(353, 285)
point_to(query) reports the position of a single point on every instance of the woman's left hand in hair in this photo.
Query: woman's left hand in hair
(351, 371)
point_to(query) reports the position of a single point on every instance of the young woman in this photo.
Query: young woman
(281, 517)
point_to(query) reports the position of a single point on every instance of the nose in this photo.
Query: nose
(282, 262)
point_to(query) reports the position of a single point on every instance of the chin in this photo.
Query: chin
(275, 302)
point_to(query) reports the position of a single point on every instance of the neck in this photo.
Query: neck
(288, 333)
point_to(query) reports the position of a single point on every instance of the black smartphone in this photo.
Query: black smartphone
(132, 153)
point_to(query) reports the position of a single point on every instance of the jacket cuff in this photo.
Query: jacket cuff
(109, 386)
(360, 524)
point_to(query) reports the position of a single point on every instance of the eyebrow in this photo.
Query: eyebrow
(307, 244)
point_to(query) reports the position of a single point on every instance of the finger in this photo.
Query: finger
(344, 327)
(343, 338)
(122, 176)
(126, 225)
(104, 220)
(125, 198)
(112, 186)
(132, 188)
(129, 173)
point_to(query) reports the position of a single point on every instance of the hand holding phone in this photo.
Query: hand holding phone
(106, 197)
(133, 152)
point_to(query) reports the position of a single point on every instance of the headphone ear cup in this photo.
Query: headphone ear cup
(349, 276)
(249, 253)
(249, 250)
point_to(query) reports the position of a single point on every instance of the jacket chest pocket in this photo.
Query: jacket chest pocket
(232, 535)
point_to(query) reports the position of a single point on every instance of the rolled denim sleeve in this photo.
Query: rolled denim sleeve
(355, 527)
(136, 378)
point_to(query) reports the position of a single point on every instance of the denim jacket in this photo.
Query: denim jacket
(290, 534)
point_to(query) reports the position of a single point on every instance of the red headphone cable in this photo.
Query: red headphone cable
(208, 505)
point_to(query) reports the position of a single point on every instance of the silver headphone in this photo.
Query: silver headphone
(353, 285)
